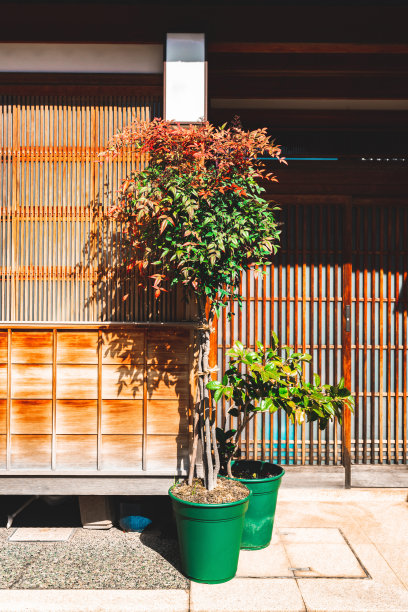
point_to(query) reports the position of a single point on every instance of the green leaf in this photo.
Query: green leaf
(213, 385)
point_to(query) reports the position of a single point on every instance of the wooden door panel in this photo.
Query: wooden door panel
(31, 347)
(170, 350)
(76, 416)
(122, 382)
(123, 347)
(31, 416)
(167, 416)
(30, 452)
(75, 381)
(121, 452)
(122, 417)
(77, 347)
(76, 452)
(31, 381)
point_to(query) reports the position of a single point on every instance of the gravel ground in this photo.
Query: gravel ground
(92, 560)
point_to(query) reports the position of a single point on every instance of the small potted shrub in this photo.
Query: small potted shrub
(197, 215)
(269, 379)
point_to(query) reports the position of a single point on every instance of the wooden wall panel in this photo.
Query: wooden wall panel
(122, 416)
(3, 451)
(31, 381)
(167, 451)
(3, 347)
(3, 416)
(95, 416)
(29, 416)
(167, 416)
(77, 347)
(123, 347)
(76, 452)
(3, 380)
(75, 381)
(168, 383)
(122, 382)
(122, 452)
(78, 416)
(31, 347)
(30, 452)
(167, 351)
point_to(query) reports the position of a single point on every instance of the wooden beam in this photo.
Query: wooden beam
(341, 87)
(307, 47)
(85, 485)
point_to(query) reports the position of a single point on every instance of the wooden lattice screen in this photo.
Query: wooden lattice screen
(332, 247)
(59, 251)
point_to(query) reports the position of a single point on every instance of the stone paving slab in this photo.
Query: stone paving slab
(352, 596)
(94, 601)
(247, 595)
(270, 562)
(41, 534)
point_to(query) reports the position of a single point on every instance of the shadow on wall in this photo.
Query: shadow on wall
(155, 363)
(118, 293)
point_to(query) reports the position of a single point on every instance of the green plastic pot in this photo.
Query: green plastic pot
(258, 525)
(209, 538)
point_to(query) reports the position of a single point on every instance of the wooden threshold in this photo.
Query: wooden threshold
(85, 485)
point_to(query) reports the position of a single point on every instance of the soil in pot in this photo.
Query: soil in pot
(225, 492)
(209, 532)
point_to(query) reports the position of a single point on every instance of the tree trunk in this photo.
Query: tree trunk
(204, 441)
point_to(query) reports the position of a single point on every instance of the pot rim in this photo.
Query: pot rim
(254, 480)
(198, 505)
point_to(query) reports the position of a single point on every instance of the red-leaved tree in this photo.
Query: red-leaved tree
(198, 214)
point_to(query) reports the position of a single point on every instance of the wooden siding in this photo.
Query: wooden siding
(64, 409)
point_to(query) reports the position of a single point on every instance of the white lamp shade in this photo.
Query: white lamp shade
(185, 76)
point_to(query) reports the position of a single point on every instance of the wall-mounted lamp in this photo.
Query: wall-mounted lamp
(185, 78)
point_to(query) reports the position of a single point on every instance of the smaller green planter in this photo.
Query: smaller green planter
(259, 518)
(209, 538)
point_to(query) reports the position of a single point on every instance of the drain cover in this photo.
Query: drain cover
(42, 534)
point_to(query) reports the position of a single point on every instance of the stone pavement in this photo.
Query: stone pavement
(333, 550)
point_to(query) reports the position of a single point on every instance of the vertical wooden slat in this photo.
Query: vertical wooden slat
(54, 399)
(346, 341)
(397, 334)
(8, 415)
(99, 404)
(248, 344)
(373, 343)
(380, 334)
(144, 455)
(319, 327)
(313, 241)
(304, 303)
(357, 231)
(389, 340)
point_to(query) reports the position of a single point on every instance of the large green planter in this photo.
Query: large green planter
(209, 538)
(259, 518)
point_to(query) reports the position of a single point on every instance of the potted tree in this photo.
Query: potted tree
(269, 379)
(198, 215)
